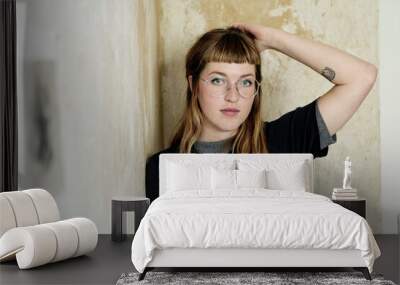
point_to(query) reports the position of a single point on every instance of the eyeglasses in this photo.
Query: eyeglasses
(219, 86)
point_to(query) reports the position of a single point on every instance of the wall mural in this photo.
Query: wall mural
(287, 83)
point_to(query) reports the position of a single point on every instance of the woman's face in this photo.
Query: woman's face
(214, 98)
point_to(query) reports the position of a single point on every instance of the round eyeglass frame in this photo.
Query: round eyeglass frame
(237, 89)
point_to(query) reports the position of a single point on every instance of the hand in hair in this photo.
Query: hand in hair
(261, 33)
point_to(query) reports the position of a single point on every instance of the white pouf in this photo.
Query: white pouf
(31, 232)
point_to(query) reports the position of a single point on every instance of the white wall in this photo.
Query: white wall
(81, 122)
(389, 90)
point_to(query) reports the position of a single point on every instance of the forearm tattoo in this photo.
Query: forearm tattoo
(328, 73)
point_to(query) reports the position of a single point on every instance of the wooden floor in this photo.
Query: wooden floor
(111, 259)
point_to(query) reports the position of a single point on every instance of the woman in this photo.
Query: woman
(223, 98)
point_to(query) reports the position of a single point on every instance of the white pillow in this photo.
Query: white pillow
(288, 178)
(181, 177)
(251, 178)
(236, 179)
(223, 179)
(282, 174)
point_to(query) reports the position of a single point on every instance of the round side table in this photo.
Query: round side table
(122, 204)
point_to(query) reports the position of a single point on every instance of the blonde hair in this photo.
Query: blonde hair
(229, 45)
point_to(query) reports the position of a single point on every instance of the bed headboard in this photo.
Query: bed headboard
(231, 158)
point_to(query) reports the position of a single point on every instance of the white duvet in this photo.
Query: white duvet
(250, 218)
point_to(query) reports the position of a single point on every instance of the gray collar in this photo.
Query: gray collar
(222, 146)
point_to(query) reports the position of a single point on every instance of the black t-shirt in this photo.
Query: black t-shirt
(294, 132)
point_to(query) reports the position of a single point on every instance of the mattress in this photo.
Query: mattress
(250, 218)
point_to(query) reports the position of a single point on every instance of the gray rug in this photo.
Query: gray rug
(275, 278)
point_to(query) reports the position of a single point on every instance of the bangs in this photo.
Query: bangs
(232, 48)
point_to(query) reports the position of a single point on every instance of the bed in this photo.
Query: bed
(247, 211)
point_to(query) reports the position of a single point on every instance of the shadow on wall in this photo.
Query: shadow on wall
(40, 122)
(41, 119)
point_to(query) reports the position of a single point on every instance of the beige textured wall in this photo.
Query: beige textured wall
(348, 25)
(148, 77)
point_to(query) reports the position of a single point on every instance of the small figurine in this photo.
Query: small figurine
(347, 174)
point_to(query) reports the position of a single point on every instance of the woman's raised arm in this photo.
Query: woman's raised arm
(352, 76)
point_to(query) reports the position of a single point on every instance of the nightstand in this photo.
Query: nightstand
(358, 206)
(124, 204)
